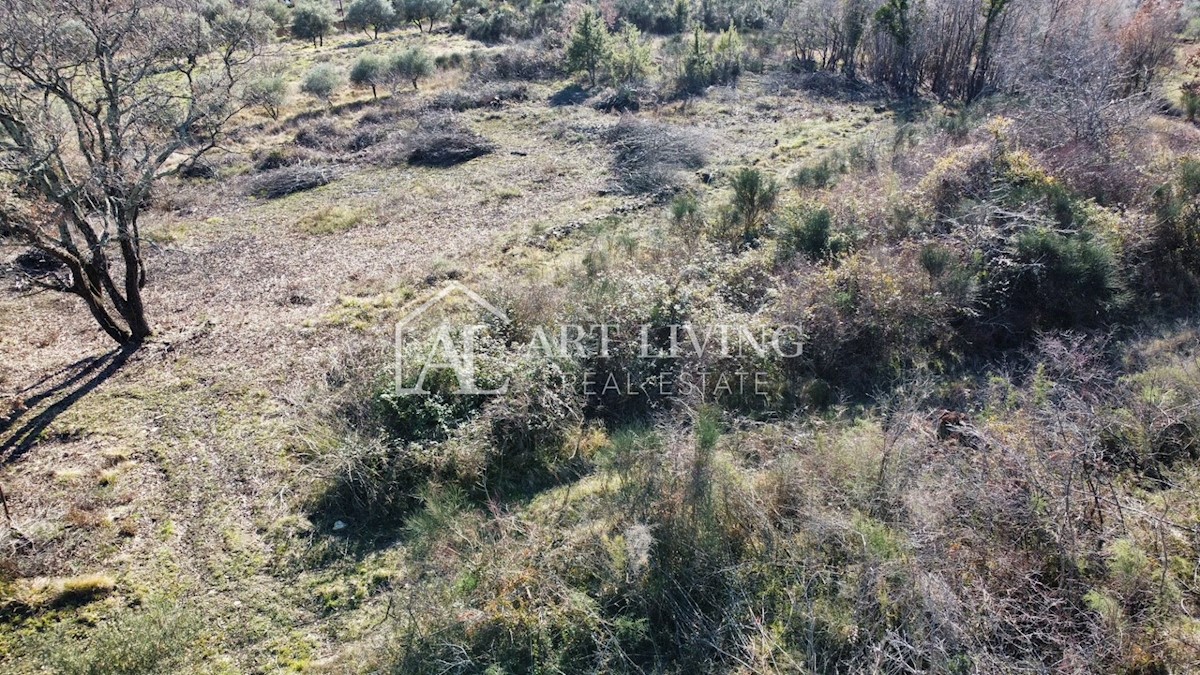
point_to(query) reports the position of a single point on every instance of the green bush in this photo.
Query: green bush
(753, 200)
(687, 220)
(1042, 279)
(322, 82)
(808, 230)
(936, 260)
(820, 174)
(278, 12)
(1166, 264)
(1190, 98)
(630, 60)
(589, 47)
(696, 72)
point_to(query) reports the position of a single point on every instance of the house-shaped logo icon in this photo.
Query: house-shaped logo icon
(451, 347)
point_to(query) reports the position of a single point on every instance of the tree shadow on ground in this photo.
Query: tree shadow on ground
(78, 380)
(571, 94)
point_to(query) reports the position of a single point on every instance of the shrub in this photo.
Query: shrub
(808, 230)
(312, 21)
(277, 158)
(1166, 263)
(696, 73)
(754, 195)
(1190, 98)
(866, 320)
(728, 55)
(966, 173)
(268, 93)
(936, 260)
(321, 134)
(453, 60)
(278, 12)
(288, 180)
(647, 156)
(622, 99)
(820, 174)
(480, 96)
(519, 63)
(1042, 279)
(497, 24)
(442, 141)
(322, 82)
(686, 218)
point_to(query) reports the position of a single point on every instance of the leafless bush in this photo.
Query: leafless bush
(647, 156)
(321, 134)
(520, 63)
(289, 180)
(440, 141)
(1086, 69)
(199, 169)
(476, 95)
(279, 157)
(367, 137)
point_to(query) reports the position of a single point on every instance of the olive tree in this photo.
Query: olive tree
(312, 21)
(369, 71)
(410, 65)
(98, 101)
(370, 14)
(416, 11)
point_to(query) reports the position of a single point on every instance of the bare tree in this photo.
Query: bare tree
(98, 101)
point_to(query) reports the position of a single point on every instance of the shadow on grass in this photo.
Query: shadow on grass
(80, 379)
(571, 94)
(381, 515)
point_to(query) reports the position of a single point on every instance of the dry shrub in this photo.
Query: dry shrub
(647, 156)
(437, 141)
(621, 99)
(523, 63)
(200, 169)
(477, 95)
(279, 157)
(289, 180)
(322, 134)
(965, 173)
(867, 320)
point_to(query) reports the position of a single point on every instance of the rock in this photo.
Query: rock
(339, 525)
